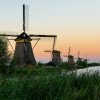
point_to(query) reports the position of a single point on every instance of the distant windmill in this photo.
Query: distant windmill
(55, 55)
(80, 58)
(81, 61)
(23, 54)
(70, 57)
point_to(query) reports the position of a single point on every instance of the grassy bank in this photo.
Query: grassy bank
(44, 84)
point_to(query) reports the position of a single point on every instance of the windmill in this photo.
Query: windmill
(55, 55)
(81, 61)
(80, 58)
(70, 57)
(23, 54)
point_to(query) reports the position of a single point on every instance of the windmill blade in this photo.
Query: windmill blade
(10, 44)
(25, 17)
(36, 43)
(69, 50)
(8, 35)
(52, 36)
(48, 51)
(43, 39)
(35, 38)
(11, 39)
(54, 43)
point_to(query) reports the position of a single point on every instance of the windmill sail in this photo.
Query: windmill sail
(25, 17)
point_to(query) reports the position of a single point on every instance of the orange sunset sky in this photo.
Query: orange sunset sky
(75, 22)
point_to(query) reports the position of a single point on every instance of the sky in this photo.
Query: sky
(75, 22)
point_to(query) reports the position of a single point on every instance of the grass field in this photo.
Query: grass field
(48, 84)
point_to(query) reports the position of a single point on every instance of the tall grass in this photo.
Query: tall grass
(44, 84)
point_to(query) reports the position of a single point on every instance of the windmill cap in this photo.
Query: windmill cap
(56, 51)
(23, 36)
(70, 56)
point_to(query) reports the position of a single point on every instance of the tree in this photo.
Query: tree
(3, 50)
(4, 54)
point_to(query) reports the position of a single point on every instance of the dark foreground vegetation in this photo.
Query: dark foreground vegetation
(48, 84)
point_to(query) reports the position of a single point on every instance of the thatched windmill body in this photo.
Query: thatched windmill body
(23, 54)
